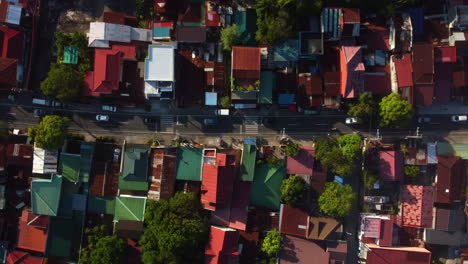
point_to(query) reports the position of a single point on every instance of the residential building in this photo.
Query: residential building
(32, 232)
(409, 255)
(352, 69)
(101, 34)
(249, 157)
(11, 12)
(222, 246)
(423, 71)
(449, 180)
(134, 169)
(245, 75)
(266, 186)
(391, 165)
(159, 72)
(189, 164)
(162, 165)
(416, 205)
(303, 163)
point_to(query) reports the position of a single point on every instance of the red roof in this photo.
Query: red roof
(246, 62)
(378, 81)
(423, 94)
(212, 19)
(391, 165)
(376, 37)
(386, 234)
(445, 54)
(106, 76)
(332, 83)
(351, 71)
(386, 255)
(417, 203)
(222, 246)
(114, 18)
(191, 14)
(11, 43)
(450, 171)
(30, 237)
(8, 69)
(215, 75)
(443, 76)
(217, 183)
(311, 83)
(303, 163)
(351, 15)
(293, 221)
(404, 70)
(190, 34)
(4, 10)
(20, 257)
(20, 155)
(299, 250)
(423, 63)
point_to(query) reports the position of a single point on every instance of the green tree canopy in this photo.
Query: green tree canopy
(292, 149)
(175, 231)
(230, 36)
(350, 145)
(337, 200)
(51, 132)
(412, 172)
(395, 112)
(102, 247)
(78, 40)
(329, 153)
(272, 243)
(63, 82)
(369, 178)
(365, 109)
(225, 102)
(292, 190)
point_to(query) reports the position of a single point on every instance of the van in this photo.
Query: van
(41, 101)
(222, 112)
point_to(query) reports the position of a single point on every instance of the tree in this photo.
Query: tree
(63, 82)
(364, 109)
(329, 153)
(225, 102)
(272, 243)
(369, 179)
(395, 112)
(350, 145)
(51, 132)
(102, 247)
(292, 190)
(230, 36)
(175, 230)
(412, 172)
(337, 200)
(292, 149)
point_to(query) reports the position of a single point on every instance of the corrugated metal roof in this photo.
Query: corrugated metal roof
(14, 14)
(130, 208)
(303, 163)
(404, 70)
(332, 83)
(222, 246)
(391, 165)
(452, 149)
(70, 55)
(287, 50)
(246, 58)
(189, 163)
(45, 195)
(190, 34)
(423, 63)
(249, 157)
(450, 171)
(267, 86)
(44, 161)
(331, 21)
(134, 168)
(417, 203)
(431, 153)
(266, 186)
(162, 32)
(351, 15)
(293, 221)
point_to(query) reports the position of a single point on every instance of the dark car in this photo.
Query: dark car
(209, 122)
(149, 120)
(42, 112)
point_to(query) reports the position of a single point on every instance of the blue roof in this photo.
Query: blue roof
(417, 20)
(161, 32)
(250, 141)
(287, 50)
(331, 18)
(287, 99)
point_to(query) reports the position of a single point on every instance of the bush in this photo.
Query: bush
(412, 172)
(395, 112)
(230, 36)
(272, 243)
(337, 200)
(292, 149)
(292, 190)
(350, 145)
(225, 102)
(369, 179)
(51, 132)
(63, 82)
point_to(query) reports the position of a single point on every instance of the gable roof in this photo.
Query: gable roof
(69, 166)
(303, 163)
(351, 71)
(29, 236)
(311, 83)
(45, 195)
(323, 228)
(423, 63)
(134, 168)
(332, 83)
(21, 257)
(266, 186)
(129, 208)
(217, 183)
(11, 43)
(222, 247)
(62, 233)
(404, 70)
(249, 157)
(408, 255)
(101, 205)
(246, 62)
(299, 250)
(376, 37)
(423, 94)
(449, 219)
(391, 165)
(417, 203)
(450, 171)
(293, 221)
(189, 163)
(8, 68)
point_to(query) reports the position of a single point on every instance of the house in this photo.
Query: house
(214, 73)
(77, 167)
(450, 220)
(293, 221)
(351, 22)
(444, 72)
(249, 157)
(131, 208)
(119, 18)
(32, 232)
(404, 69)
(449, 180)
(323, 228)
(222, 247)
(286, 52)
(416, 205)
(212, 18)
(190, 34)
(332, 83)
(378, 230)
(445, 54)
(443, 238)
(108, 65)
(377, 80)
(21, 257)
(20, 155)
(45, 195)
(352, 70)
(134, 169)
(189, 164)
(310, 44)
(423, 63)
(10, 13)
(162, 165)
(12, 41)
(8, 74)
(299, 250)
(101, 34)
(267, 87)
(376, 37)
(266, 186)
(159, 72)
(332, 23)
(303, 163)
(409, 255)
(190, 74)
(310, 90)
(391, 165)
(163, 31)
(128, 229)
(245, 70)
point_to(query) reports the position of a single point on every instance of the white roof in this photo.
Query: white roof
(44, 161)
(141, 34)
(13, 14)
(159, 66)
(105, 32)
(211, 98)
(432, 153)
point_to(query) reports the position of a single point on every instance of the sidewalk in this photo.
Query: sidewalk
(452, 108)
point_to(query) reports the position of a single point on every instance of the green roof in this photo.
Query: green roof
(267, 86)
(246, 22)
(77, 167)
(134, 174)
(287, 50)
(249, 156)
(455, 149)
(266, 186)
(69, 189)
(86, 151)
(129, 208)
(101, 205)
(189, 161)
(60, 237)
(45, 195)
(70, 55)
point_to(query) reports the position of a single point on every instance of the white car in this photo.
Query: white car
(351, 120)
(116, 155)
(109, 108)
(459, 118)
(102, 118)
(424, 119)
(222, 112)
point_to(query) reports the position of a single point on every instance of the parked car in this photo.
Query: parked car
(424, 119)
(109, 108)
(224, 112)
(207, 122)
(459, 118)
(149, 120)
(351, 120)
(102, 118)
(55, 103)
(41, 112)
(39, 101)
(116, 154)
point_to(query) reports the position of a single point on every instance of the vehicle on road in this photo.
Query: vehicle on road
(109, 108)
(224, 112)
(351, 120)
(424, 119)
(42, 112)
(55, 103)
(39, 101)
(116, 154)
(459, 118)
(149, 120)
(208, 122)
(102, 118)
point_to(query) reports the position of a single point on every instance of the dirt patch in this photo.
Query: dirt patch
(75, 20)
